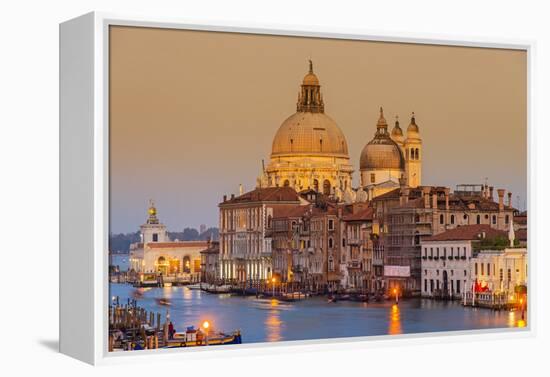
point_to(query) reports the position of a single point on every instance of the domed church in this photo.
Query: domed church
(389, 158)
(309, 150)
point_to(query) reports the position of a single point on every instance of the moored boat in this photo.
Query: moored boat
(197, 337)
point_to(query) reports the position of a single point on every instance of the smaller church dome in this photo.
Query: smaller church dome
(381, 152)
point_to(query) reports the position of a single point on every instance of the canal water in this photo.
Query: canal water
(267, 320)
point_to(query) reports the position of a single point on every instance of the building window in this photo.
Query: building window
(372, 178)
(478, 219)
(343, 242)
(458, 286)
(330, 242)
(452, 219)
(316, 185)
(488, 269)
(501, 274)
(155, 237)
(441, 219)
(475, 269)
(331, 225)
(482, 269)
(509, 275)
(506, 219)
(417, 154)
(286, 183)
(425, 285)
(494, 219)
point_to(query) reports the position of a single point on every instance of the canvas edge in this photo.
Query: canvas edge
(103, 20)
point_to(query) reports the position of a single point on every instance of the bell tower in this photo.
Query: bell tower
(413, 154)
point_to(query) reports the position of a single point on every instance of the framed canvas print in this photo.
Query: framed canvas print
(224, 187)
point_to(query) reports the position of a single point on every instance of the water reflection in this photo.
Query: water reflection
(395, 320)
(273, 322)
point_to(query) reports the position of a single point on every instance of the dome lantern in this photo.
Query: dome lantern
(310, 98)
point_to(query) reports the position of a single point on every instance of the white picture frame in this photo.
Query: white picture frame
(84, 186)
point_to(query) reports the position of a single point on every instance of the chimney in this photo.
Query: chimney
(404, 196)
(447, 190)
(232, 196)
(426, 192)
(225, 198)
(434, 200)
(500, 193)
(509, 199)
(491, 196)
(241, 190)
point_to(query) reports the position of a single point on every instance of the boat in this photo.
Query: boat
(196, 337)
(195, 286)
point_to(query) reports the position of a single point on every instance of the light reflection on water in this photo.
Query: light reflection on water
(263, 320)
(395, 321)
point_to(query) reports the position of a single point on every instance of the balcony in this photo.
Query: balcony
(354, 264)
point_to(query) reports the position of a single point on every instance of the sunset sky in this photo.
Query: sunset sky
(192, 114)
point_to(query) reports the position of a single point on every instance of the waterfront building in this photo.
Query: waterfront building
(245, 232)
(408, 215)
(210, 263)
(156, 253)
(446, 259)
(309, 150)
(358, 259)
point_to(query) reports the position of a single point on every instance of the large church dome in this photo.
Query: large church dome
(309, 133)
(381, 152)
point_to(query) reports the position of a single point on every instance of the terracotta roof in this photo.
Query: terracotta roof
(166, 245)
(267, 194)
(520, 219)
(361, 215)
(283, 211)
(467, 232)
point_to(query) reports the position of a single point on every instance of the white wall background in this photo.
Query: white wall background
(29, 183)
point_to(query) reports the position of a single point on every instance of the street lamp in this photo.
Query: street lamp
(205, 326)
(273, 287)
(396, 296)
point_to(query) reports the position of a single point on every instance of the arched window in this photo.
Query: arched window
(412, 153)
(326, 187)
(478, 219)
(186, 264)
(506, 219)
(452, 219)
(417, 154)
(343, 242)
(441, 219)
(316, 185)
(286, 183)
(330, 243)
(291, 144)
(372, 178)
(269, 220)
(320, 145)
(494, 219)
